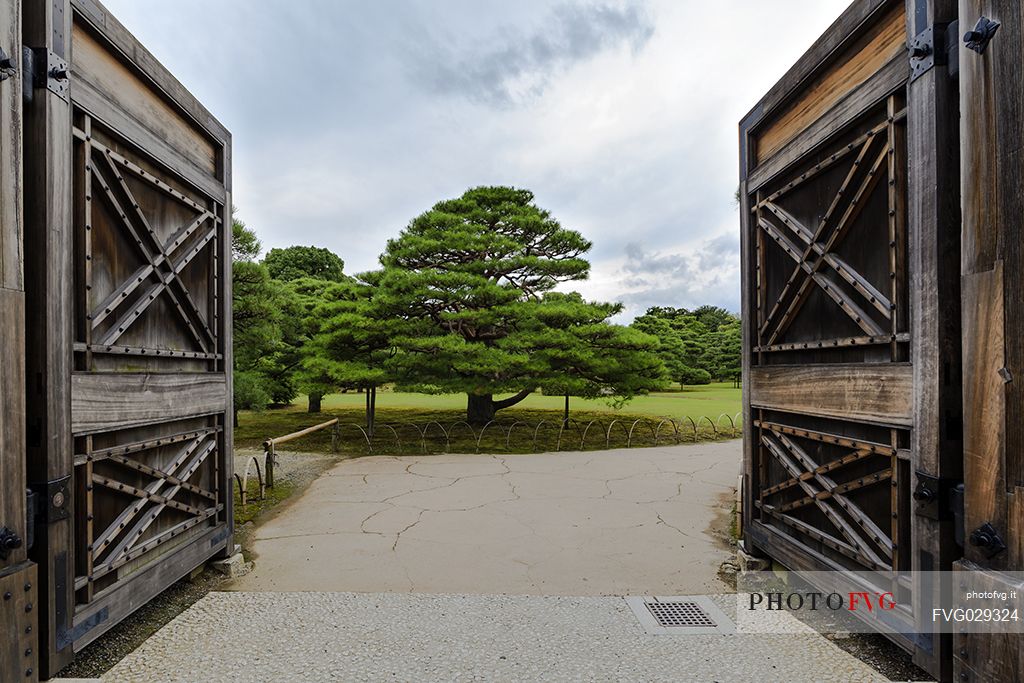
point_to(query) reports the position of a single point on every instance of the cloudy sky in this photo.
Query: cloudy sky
(349, 118)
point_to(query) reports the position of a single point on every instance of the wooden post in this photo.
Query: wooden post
(933, 206)
(49, 319)
(992, 262)
(268, 466)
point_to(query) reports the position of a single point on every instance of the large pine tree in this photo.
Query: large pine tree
(469, 285)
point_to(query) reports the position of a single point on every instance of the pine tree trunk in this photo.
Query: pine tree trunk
(314, 402)
(479, 409)
(565, 420)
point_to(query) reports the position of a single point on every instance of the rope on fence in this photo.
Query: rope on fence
(727, 425)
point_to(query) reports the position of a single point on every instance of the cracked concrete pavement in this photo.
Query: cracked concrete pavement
(479, 567)
(621, 522)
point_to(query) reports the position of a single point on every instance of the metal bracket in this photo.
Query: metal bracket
(928, 49)
(45, 69)
(52, 500)
(978, 39)
(934, 496)
(9, 540)
(8, 65)
(987, 538)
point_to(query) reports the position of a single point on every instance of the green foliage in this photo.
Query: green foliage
(469, 285)
(353, 342)
(294, 263)
(245, 246)
(256, 320)
(723, 357)
(694, 376)
(695, 346)
(298, 276)
(250, 391)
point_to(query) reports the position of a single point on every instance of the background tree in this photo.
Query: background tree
(696, 346)
(467, 281)
(680, 343)
(353, 342)
(293, 263)
(301, 274)
(256, 321)
(723, 357)
(586, 356)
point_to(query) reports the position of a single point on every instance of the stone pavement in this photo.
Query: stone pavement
(305, 637)
(498, 568)
(620, 522)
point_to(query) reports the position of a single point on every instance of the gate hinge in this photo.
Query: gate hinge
(987, 538)
(934, 496)
(51, 500)
(931, 47)
(45, 69)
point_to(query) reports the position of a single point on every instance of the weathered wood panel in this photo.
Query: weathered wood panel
(49, 308)
(933, 200)
(984, 403)
(19, 654)
(859, 63)
(11, 234)
(875, 393)
(992, 267)
(127, 250)
(95, 65)
(12, 418)
(105, 401)
(988, 654)
(846, 384)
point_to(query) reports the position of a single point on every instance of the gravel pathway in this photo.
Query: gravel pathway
(414, 637)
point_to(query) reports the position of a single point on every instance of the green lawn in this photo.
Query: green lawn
(541, 413)
(711, 400)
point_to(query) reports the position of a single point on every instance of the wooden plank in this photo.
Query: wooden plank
(93, 16)
(49, 246)
(988, 654)
(933, 236)
(984, 406)
(100, 107)
(12, 418)
(876, 393)
(19, 652)
(12, 301)
(11, 233)
(94, 64)
(825, 50)
(881, 44)
(105, 401)
(889, 79)
(992, 261)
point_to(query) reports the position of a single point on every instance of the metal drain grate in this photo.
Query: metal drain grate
(678, 615)
(671, 614)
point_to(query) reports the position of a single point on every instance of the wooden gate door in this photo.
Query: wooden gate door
(132, 298)
(18, 651)
(845, 350)
(992, 137)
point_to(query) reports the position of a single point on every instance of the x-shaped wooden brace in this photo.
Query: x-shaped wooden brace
(804, 471)
(174, 476)
(813, 254)
(158, 264)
